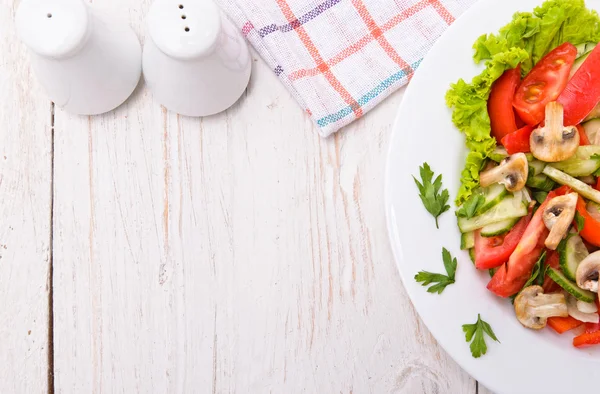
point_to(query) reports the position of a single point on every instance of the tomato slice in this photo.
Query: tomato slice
(545, 83)
(502, 286)
(582, 93)
(591, 227)
(493, 252)
(500, 108)
(518, 141)
(583, 138)
(511, 277)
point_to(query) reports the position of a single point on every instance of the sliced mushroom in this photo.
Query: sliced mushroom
(558, 216)
(554, 142)
(533, 307)
(511, 172)
(574, 311)
(588, 272)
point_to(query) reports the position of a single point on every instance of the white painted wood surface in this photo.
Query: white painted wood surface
(235, 253)
(25, 209)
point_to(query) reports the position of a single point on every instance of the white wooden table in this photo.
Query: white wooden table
(144, 252)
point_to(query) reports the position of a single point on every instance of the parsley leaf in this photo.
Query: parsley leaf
(595, 156)
(540, 196)
(579, 222)
(434, 201)
(471, 206)
(440, 280)
(538, 274)
(475, 332)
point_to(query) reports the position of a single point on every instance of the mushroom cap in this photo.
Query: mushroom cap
(554, 142)
(558, 216)
(533, 307)
(588, 272)
(512, 172)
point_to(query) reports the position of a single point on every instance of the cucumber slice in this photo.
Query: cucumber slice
(540, 182)
(467, 241)
(472, 254)
(508, 208)
(536, 167)
(493, 194)
(498, 154)
(494, 229)
(571, 252)
(584, 49)
(565, 179)
(570, 287)
(581, 163)
(492, 271)
(592, 127)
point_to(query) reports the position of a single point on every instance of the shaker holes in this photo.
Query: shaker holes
(183, 16)
(49, 15)
(181, 6)
(187, 28)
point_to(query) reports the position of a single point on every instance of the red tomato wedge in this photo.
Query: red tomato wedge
(500, 108)
(545, 83)
(582, 93)
(493, 252)
(563, 324)
(518, 141)
(583, 138)
(502, 286)
(591, 227)
(511, 277)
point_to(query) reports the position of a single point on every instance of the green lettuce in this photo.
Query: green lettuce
(470, 115)
(525, 40)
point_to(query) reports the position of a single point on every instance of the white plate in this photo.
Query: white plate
(525, 361)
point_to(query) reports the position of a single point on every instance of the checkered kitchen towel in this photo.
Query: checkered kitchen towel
(340, 58)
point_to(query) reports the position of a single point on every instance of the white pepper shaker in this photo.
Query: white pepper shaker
(87, 63)
(195, 61)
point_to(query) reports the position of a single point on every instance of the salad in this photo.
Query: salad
(529, 200)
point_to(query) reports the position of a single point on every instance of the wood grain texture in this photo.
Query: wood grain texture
(235, 253)
(25, 209)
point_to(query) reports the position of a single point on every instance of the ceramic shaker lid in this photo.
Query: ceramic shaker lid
(52, 28)
(184, 29)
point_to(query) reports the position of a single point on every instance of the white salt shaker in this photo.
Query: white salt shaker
(87, 63)
(195, 61)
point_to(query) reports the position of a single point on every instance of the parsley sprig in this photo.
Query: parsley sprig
(475, 333)
(440, 280)
(579, 222)
(538, 275)
(471, 206)
(434, 201)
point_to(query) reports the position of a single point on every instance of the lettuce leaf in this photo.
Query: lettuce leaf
(525, 40)
(469, 101)
(551, 24)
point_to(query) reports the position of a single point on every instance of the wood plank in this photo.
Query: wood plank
(234, 253)
(25, 209)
